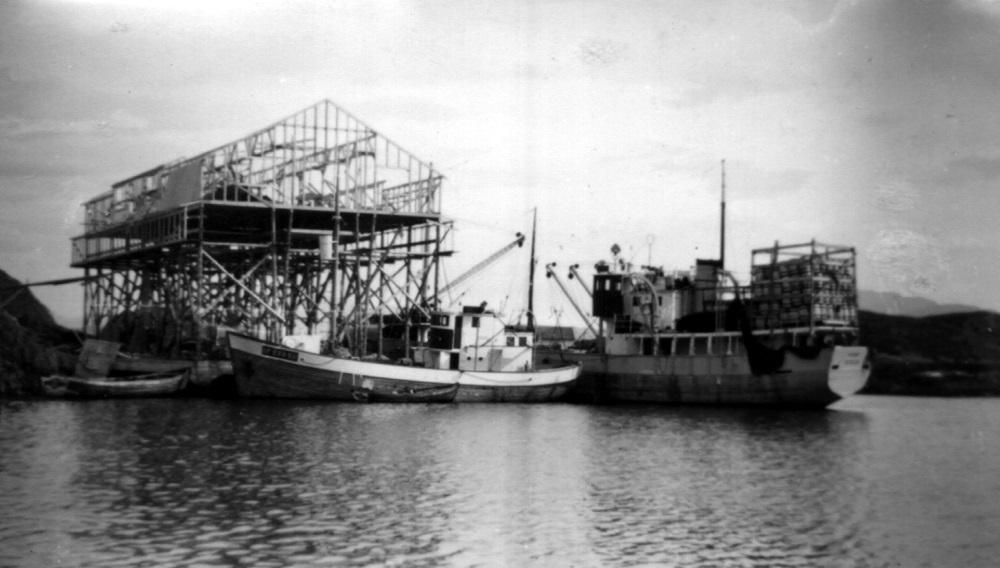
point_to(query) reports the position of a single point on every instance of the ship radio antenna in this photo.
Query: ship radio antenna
(722, 225)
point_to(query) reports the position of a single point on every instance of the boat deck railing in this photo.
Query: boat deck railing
(731, 342)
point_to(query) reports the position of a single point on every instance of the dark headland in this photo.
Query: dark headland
(32, 344)
(955, 354)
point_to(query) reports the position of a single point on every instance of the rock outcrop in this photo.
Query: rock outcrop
(32, 344)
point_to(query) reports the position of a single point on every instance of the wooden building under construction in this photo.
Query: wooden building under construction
(316, 224)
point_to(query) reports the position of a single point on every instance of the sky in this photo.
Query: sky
(870, 124)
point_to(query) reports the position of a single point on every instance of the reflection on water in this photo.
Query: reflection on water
(705, 487)
(877, 481)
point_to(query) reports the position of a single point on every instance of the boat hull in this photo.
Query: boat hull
(262, 369)
(265, 370)
(713, 379)
(151, 385)
(426, 394)
(545, 385)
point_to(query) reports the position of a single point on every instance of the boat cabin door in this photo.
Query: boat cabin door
(453, 363)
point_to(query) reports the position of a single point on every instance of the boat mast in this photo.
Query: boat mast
(722, 226)
(531, 273)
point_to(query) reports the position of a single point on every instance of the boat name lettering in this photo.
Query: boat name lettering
(280, 353)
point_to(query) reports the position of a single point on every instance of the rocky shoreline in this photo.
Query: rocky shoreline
(32, 345)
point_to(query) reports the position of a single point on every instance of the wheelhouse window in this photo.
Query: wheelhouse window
(682, 346)
(666, 345)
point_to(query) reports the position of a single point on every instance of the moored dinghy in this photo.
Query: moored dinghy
(94, 377)
(129, 386)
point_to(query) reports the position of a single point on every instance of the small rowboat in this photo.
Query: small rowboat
(133, 386)
(408, 394)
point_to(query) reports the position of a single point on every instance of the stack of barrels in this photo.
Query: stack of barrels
(807, 290)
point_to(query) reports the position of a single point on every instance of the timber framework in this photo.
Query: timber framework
(316, 224)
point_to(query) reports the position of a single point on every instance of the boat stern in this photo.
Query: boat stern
(850, 367)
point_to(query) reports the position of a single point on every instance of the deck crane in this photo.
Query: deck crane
(573, 273)
(517, 242)
(549, 273)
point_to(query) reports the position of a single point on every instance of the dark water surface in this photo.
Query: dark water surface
(876, 481)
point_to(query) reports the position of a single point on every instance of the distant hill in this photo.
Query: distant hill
(950, 354)
(898, 305)
(955, 338)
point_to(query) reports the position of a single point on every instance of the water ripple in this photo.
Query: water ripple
(256, 483)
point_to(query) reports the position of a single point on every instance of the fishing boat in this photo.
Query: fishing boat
(438, 372)
(790, 338)
(130, 386)
(495, 360)
(469, 356)
(273, 370)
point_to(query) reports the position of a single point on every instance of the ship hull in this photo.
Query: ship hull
(716, 379)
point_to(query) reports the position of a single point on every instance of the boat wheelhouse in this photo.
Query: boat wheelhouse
(496, 360)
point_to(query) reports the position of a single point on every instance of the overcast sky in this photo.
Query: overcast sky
(866, 123)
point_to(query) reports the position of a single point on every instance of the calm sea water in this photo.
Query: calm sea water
(876, 481)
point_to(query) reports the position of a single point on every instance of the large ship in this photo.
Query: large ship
(788, 339)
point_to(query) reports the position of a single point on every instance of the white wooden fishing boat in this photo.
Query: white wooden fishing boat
(496, 361)
(471, 356)
(271, 370)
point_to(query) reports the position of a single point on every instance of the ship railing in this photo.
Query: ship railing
(674, 343)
